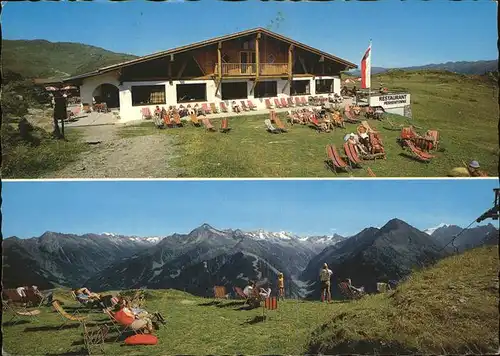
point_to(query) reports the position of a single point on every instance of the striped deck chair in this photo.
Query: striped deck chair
(220, 292)
(208, 125)
(370, 172)
(277, 103)
(337, 119)
(224, 126)
(317, 125)
(239, 292)
(167, 120)
(350, 116)
(146, 113)
(434, 135)
(270, 303)
(304, 101)
(177, 119)
(377, 146)
(194, 120)
(270, 127)
(334, 160)
(418, 153)
(120, 328)
(290, 102)
(223, 106)
(213, 108)
(244, 105)
(65, 315)
(268, 104)
(279, 125)
(297, 101)
(205, 108)
(352, 155)
(283, 102)
(251, 105)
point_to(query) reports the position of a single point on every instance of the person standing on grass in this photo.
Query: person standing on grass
(324, 276)
(281, 286)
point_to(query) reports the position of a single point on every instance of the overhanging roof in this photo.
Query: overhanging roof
(212, 41)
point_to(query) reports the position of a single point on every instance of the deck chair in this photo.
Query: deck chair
(370, 172)
(304, 101)
(167, 120)
(213, 108)
(434, 134)
(65, 315)
(277, 103)
(220, 292)
(194, 120)
(270, 303)
(223, 106)
(419, 154)
(146, 113)
(350, 117)
(205, 108)
(244, 106)
(208, 125)
(35, 299)
(290, 102)
(18, 312)
(239, 292)
(268, 104)
(120, 328)
(337, 119)
(283, 102)
(251, 105)
(224, 126)
(177, 120)
(352, 155)
(317, 125)
(297, 101)
(86, 108)
(377, 146)
(270, 127)
(335, 160)
(94, 338)
(348, 292)
(279, 125)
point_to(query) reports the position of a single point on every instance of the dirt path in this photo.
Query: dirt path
(111, 156)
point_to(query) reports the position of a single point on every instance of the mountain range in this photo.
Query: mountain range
(45, 59)
(206, 256)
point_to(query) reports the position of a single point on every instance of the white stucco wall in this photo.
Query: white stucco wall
(128, 112)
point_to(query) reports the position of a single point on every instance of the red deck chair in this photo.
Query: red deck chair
(224, 126)
(251, 105)
(350, 116)
(304, 101)
(272, 115)
(316, 124)
(167, 121)
(297, 101)
(270, 303)
(419, 154)
(352, 155)
(206, 109)
(223, 106)
(146, 113)
(239, 293)
(283, 102)
(290, 102)
(434, 134)
(244, 105)
(208, 125)
(277, 103)
(268, 104)
(335, 159)
(177, 119)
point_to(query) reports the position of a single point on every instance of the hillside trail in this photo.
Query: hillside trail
(111, 156)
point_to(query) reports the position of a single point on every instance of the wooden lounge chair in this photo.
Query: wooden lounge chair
(350, 116)
(94, 338)
(251, 105)
(18, 311)
(223, 106)
(337, 119)
(268, 104)
(297, 101)
(377, 146)
(167, 121)
(220, 292)
(270, 303)
(277, 103)
(65, 315)
(370, 172)
(279, 124)
(317, 125)
(434, 135)
(205, 108)
(239, 292)
(194, 120)
(334, 158)
(283, 102)
(270, 127)
(419, 154)
(244, 106)
(348, 292)
(213, 108)
(208, 125)
(119, 327)
(424, 143)
(146, 113)
(352, 155)
(224, 126)
(304, 101)
(177, 119)
(290, 102)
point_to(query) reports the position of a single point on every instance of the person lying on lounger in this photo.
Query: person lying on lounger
(126, 317)
(470, 170)
(359, 290)
(265, 292)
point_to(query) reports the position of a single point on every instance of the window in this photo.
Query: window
(300, 87)
(266, 89)
(191, 92)
(324, 86)
(148, 95)
(232, 91)
(271, 58)
(225, 58)
(249, 45)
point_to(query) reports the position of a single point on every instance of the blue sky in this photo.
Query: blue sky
(150, 208)
(404, 33)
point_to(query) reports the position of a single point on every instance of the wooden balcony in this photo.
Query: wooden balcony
(250, 69)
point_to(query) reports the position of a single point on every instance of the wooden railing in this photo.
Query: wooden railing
(235, 69)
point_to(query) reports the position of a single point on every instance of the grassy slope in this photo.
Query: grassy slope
(40, 58)
(452, 307)
(463, 108)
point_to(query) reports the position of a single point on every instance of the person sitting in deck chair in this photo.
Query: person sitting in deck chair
(126, 317)
(235, 107)
(324, 276)
(359, 290)
(248, 290)
(22, 291)
(265, 292)
(84, 295)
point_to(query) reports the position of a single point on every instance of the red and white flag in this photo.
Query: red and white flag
(366, 68)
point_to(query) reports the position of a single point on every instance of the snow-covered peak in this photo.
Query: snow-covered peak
(431, 230)
(108, 234)
(266, 235)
